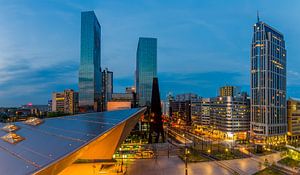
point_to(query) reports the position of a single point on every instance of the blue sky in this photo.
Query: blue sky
(201, 44)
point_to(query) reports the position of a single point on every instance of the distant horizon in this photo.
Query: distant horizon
(201, 45)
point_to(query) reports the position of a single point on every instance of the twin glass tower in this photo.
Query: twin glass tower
(268, 85)
(90, 78)
(146, 69)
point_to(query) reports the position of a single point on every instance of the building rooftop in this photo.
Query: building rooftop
(38, 143)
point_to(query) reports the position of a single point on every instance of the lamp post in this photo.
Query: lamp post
(186, 170)
(120, 149)
(185, 155)
(123, 156)
(167, 136)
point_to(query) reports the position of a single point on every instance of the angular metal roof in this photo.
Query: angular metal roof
(55, 138)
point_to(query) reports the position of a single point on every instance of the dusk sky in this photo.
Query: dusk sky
(201, 44)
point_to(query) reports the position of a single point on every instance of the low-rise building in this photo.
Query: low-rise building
(293, 116)
(122, 101)
(205, 112)
(230, 117)
(65, 102)
(186, 108)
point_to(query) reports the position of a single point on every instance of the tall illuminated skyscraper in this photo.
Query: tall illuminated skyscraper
(146, 69)
(268, 85)
(90, 78)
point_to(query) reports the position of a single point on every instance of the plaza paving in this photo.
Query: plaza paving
(174, 166)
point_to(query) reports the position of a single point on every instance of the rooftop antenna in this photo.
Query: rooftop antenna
(257, 16)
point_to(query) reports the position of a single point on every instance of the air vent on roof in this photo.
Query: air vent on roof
(10, 128)
(12, 138)
(33, 121)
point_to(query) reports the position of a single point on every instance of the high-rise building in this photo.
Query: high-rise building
(107, 87)
(228, 91)
(66, 102)
(146, 69)
(293, 114)
(90, 78)
(268, 85)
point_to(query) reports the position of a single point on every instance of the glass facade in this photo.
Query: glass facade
(268, 83)
(146, 69)
(90, 78)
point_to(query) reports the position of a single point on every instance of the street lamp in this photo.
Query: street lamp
(185, 155)
(226, 150)
(209, 151)
(120, 149)
(186, 170)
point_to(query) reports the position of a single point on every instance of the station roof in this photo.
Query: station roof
(43, 143)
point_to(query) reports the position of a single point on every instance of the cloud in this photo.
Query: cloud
(201, 45)
(293, 77)
(24, 83)
(205, 84)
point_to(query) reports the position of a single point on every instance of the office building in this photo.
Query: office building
(186, 107)
(90, 78)
(205, 113)
(228, 91)
(268, 85)
(293, 116)
(70, 102)
(146, 69)
(58, 102)
(65, 102)
(107, 87)
(120, 101)
(230, 117)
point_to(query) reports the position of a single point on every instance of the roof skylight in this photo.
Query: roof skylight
(12, 138)
(10, 128)
(33, 121)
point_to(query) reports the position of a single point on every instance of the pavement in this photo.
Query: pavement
(174, 166)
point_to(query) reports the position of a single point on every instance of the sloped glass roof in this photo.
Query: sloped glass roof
(45, 142)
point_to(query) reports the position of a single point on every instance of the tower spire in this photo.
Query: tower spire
(257, 16)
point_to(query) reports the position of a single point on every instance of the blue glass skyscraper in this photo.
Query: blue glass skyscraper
(268, 85)
(146, 69)
(90, 78)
